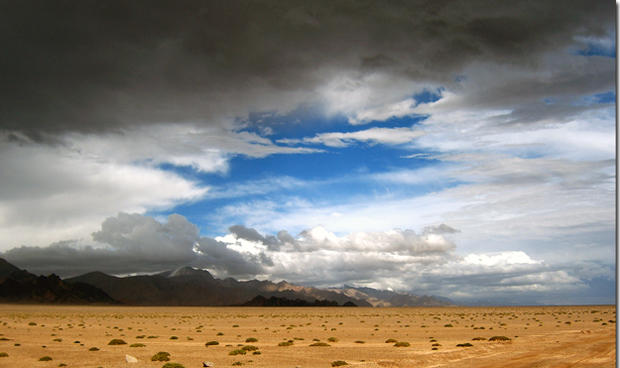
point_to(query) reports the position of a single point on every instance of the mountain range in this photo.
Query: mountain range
(187, 286)
(21, 286)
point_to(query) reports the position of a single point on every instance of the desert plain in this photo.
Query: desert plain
(79, 336)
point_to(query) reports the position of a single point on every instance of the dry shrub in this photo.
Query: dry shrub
(162, 356)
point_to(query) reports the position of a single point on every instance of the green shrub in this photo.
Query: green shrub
(237, 352)
(3, 355)
(332, 339)
(209, 343)
(174, 337)
(162, 356)
(402, 344)
(478, 339)
(93, 349)
(117, 342)
(285, 343)
(389, 341)
(237, 363)
(45, 358)
(249, 348)
(256, 353)
(448, 325)
(338, 363)
(137, 345)
(360, 341)
(251, 339)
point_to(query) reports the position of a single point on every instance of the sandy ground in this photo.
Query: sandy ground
(574, 336)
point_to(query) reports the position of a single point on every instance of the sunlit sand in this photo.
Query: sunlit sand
(77, 336)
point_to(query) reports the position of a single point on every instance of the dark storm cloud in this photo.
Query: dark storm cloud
(553, 92)
(132, 243)
(246, 233)
(272, 242)
(92, 66)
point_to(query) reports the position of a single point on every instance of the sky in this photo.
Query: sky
(464, 149)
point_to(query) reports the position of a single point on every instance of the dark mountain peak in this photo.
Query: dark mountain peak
(52, 278)
(92, 276)
(23, 287)
(6, 268)
(189, 271)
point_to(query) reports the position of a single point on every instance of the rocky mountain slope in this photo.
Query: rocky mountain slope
(190, 287)
(20, 286)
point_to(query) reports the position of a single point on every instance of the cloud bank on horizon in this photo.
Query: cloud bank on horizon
(456, 149)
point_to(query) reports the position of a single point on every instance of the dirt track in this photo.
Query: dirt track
(583, 336)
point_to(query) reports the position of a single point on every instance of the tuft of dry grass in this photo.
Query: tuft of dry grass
(320, 343)
(249, 348)
(500, 338)
(173, 365)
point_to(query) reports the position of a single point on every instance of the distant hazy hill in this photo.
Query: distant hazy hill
(386, 298)
(188, 286)
(20, 286)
